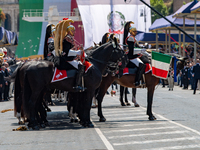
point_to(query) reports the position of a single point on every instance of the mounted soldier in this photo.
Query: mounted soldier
(131, 42)
(49, 51)
(66, 51)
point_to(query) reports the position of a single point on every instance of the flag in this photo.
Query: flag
(103, 16)
(160, 64)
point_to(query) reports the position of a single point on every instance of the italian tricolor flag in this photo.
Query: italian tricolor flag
(160, 64)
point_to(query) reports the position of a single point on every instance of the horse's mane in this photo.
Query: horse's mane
(95, 50)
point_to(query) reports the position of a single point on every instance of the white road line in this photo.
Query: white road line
(175, 147)
(190, 129)
(147, 134)
(141, 129)
(123, 114)
(143, 124)
(124, 111)
(156, 141)
(125, 118)
(103, 138)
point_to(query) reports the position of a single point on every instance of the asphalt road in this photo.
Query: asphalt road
(127, 128)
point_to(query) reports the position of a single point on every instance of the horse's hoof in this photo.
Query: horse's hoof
(90, 125)
(152, 118)
(123, 104)
(75, 120)
(48, 110)
(21, 123)
(128, 104)
(47, 123)
(42, 125)
(36, 127)
(102, 119)
(71, 120)
(137, 105)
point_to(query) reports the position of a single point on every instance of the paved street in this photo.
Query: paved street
(176, 127)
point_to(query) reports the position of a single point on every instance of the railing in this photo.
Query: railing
(40, 13)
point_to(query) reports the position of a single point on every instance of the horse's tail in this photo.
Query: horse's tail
(26, 96)
(17, 93)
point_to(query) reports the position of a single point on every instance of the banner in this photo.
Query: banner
(103, 16)
(160, 64)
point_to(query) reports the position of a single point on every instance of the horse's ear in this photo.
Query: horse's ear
(95, 44)
(115, 40)
(100, 43)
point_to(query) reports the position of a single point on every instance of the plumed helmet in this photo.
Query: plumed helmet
(132, 29)
(70, 28)
(126, 30)
(61, 30)
(50, 30)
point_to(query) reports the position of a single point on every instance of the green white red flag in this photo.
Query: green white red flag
(160, 64)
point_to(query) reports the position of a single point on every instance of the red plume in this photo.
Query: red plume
(65, 18)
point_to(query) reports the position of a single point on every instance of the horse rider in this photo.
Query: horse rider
(49, 51)
(65, 48)
(130, 42)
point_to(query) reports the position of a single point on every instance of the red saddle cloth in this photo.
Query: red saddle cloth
(133, 70)
(63, 74)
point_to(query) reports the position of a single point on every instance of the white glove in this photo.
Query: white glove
(74, 53)
(79, 52)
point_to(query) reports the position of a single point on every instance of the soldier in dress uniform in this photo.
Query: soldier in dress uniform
(65, 48)
(131, 41)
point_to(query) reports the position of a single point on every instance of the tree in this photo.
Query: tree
(160, 6)
(2, 16)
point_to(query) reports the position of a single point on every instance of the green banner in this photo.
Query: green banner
(29, 32)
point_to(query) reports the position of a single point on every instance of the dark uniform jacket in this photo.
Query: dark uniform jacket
(196, 71)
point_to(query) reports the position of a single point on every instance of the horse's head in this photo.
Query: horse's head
(118, 60)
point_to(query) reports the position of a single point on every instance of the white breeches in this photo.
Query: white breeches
(136, 61)
(74, 63)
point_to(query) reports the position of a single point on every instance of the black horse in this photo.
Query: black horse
(38, 74)
(127, 81)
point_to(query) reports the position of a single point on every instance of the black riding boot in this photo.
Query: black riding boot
(139, 74)
(78, 85)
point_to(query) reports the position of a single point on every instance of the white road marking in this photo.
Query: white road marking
(143, 124)
(175, 147)
(141, 129)
(156, 141)
(147, 134)
(190, 129)
(103, 138)
(126, 118)
(124, 114)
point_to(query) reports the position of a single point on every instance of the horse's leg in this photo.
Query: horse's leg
(88, 103)
(149, 102)
(121, 95)
(134, 97)
(126, 99)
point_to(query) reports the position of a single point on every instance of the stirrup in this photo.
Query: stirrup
(80, 88)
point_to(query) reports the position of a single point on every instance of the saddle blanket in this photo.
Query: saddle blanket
(63, 74)
(133, 70)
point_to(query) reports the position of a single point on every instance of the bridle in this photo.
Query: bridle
(112, 66)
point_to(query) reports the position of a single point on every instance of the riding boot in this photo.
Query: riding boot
(139, 74)
(78, 84)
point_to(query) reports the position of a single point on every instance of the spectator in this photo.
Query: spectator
(6, 86)
(196, 75)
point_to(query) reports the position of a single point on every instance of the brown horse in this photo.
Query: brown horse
(128, 81)
(37, 77)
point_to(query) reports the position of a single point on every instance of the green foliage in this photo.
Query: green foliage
(160, 6)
